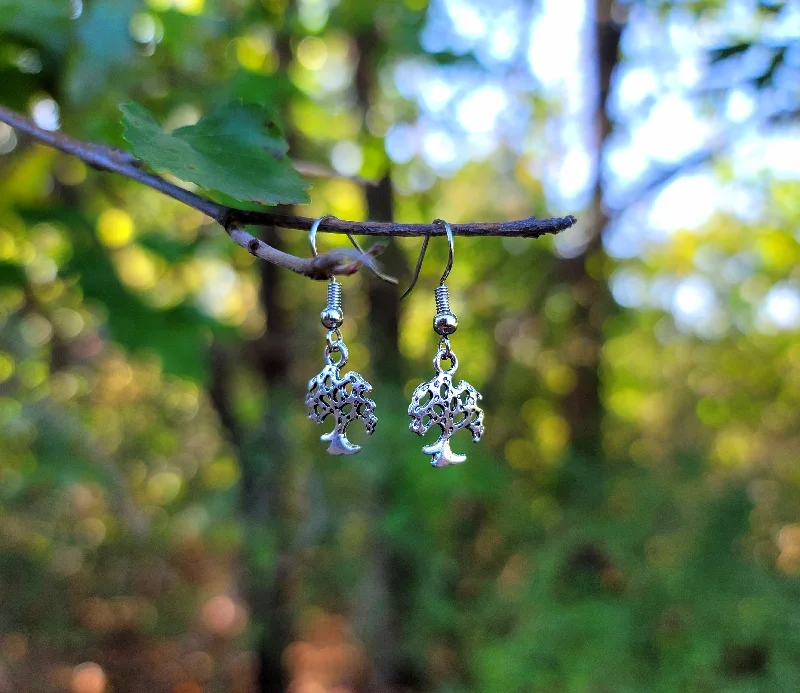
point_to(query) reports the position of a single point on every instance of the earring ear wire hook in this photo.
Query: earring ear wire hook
(451, 253)
(451, 250)
(366, 259)
(417, 269)
(312, 233)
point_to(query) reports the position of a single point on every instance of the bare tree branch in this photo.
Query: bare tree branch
(523, 228)
(233, 220)
(342, 261)
(315, 170)
(662, 176)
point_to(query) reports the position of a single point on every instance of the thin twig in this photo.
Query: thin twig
(311, 169)
(342, 261)
(233, 220)
(523, 228)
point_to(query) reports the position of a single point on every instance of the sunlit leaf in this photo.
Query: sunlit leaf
(237, 149)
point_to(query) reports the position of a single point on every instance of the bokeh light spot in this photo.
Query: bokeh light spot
(312, 53)
(222, 616)
(115, 228)
(190, 7)
(88, 678)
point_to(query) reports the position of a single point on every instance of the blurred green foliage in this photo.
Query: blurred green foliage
(168, 518)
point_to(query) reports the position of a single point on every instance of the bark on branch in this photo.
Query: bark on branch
(234, 220)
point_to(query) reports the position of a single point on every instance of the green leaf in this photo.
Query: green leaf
(104, 43)
(237, 149)
(45, 22)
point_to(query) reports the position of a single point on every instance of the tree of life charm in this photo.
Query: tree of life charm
(439, 402)
(342, 398)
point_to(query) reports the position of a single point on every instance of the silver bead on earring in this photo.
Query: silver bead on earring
(439, 402)
(328, 393)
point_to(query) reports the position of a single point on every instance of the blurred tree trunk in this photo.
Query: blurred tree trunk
(374, 614)
(265, 469)
(383, 297)
(263, 480)
(584, 274)
(387, 362)
(263, 451)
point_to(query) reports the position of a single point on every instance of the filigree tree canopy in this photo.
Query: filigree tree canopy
(345, 399)
(439, 402)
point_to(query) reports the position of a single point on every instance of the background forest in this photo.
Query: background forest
(169, 520)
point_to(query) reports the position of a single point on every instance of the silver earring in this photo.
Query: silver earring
(328, 393)
(439, 402)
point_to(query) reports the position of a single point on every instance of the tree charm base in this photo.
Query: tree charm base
(442, 454)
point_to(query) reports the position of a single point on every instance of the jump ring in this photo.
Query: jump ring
(334, 347)
(448, 355)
